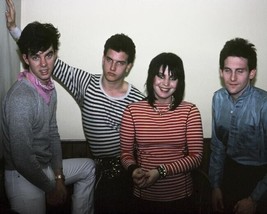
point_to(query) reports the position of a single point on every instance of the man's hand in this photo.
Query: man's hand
(217, 200)
(58, 195)
(245, 206)
(10, 15)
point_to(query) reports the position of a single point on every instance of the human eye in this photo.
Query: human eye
(50, 55)
(227, 70)
(160, 75)
(173, 78)
(240, 71)
(108, 59)
(121, 63)
(35, 57)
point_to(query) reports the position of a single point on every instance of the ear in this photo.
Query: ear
(129, 67)
(221, 72)
(56, 54)
(252, 74)
(24, 57)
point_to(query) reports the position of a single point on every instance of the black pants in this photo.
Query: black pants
(238, 183)
(113, 196)
(183, 206)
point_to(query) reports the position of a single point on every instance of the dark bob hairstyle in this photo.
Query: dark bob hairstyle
(175, 68)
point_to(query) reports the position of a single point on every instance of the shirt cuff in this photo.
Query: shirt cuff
(15, 33)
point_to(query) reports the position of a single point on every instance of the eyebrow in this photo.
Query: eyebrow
(235, 68)
(38, 54)
(121, 61)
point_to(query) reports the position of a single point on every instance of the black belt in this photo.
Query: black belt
(108, 167)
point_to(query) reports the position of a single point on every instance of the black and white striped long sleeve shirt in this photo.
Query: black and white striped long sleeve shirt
(101, 114)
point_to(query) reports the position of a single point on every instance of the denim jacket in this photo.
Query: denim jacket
(239, 130)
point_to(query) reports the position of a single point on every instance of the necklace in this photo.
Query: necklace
(161, 110)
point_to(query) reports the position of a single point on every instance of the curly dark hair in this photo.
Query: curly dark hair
(37, 37)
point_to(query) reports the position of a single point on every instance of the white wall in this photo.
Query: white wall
(196, 30)
(9, 61)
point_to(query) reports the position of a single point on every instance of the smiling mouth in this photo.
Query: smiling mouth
(164, 89)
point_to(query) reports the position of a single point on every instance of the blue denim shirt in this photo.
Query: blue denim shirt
(239, 130)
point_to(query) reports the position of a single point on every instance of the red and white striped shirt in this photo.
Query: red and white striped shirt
(172, 138)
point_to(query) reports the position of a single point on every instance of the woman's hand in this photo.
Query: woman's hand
(151, 177)
(139, 177)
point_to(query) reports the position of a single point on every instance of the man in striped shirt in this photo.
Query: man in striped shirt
(102, 99)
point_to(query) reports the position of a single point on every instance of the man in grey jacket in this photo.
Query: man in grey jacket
(34, 170)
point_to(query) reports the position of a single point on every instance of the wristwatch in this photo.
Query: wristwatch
(60, 177)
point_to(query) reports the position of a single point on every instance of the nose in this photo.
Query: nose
(166, 81)
(43, 61)
(113, 66)
(233, 76)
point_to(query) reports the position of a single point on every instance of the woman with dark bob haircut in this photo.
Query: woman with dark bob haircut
(162, 141)
(175, 68)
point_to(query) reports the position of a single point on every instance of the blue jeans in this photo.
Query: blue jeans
(26, 198)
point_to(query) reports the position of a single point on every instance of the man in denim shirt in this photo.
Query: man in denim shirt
(238, 162)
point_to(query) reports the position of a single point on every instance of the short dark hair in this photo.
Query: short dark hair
(175, 66)
(121, 42)
(240, 48)
(37, 37)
